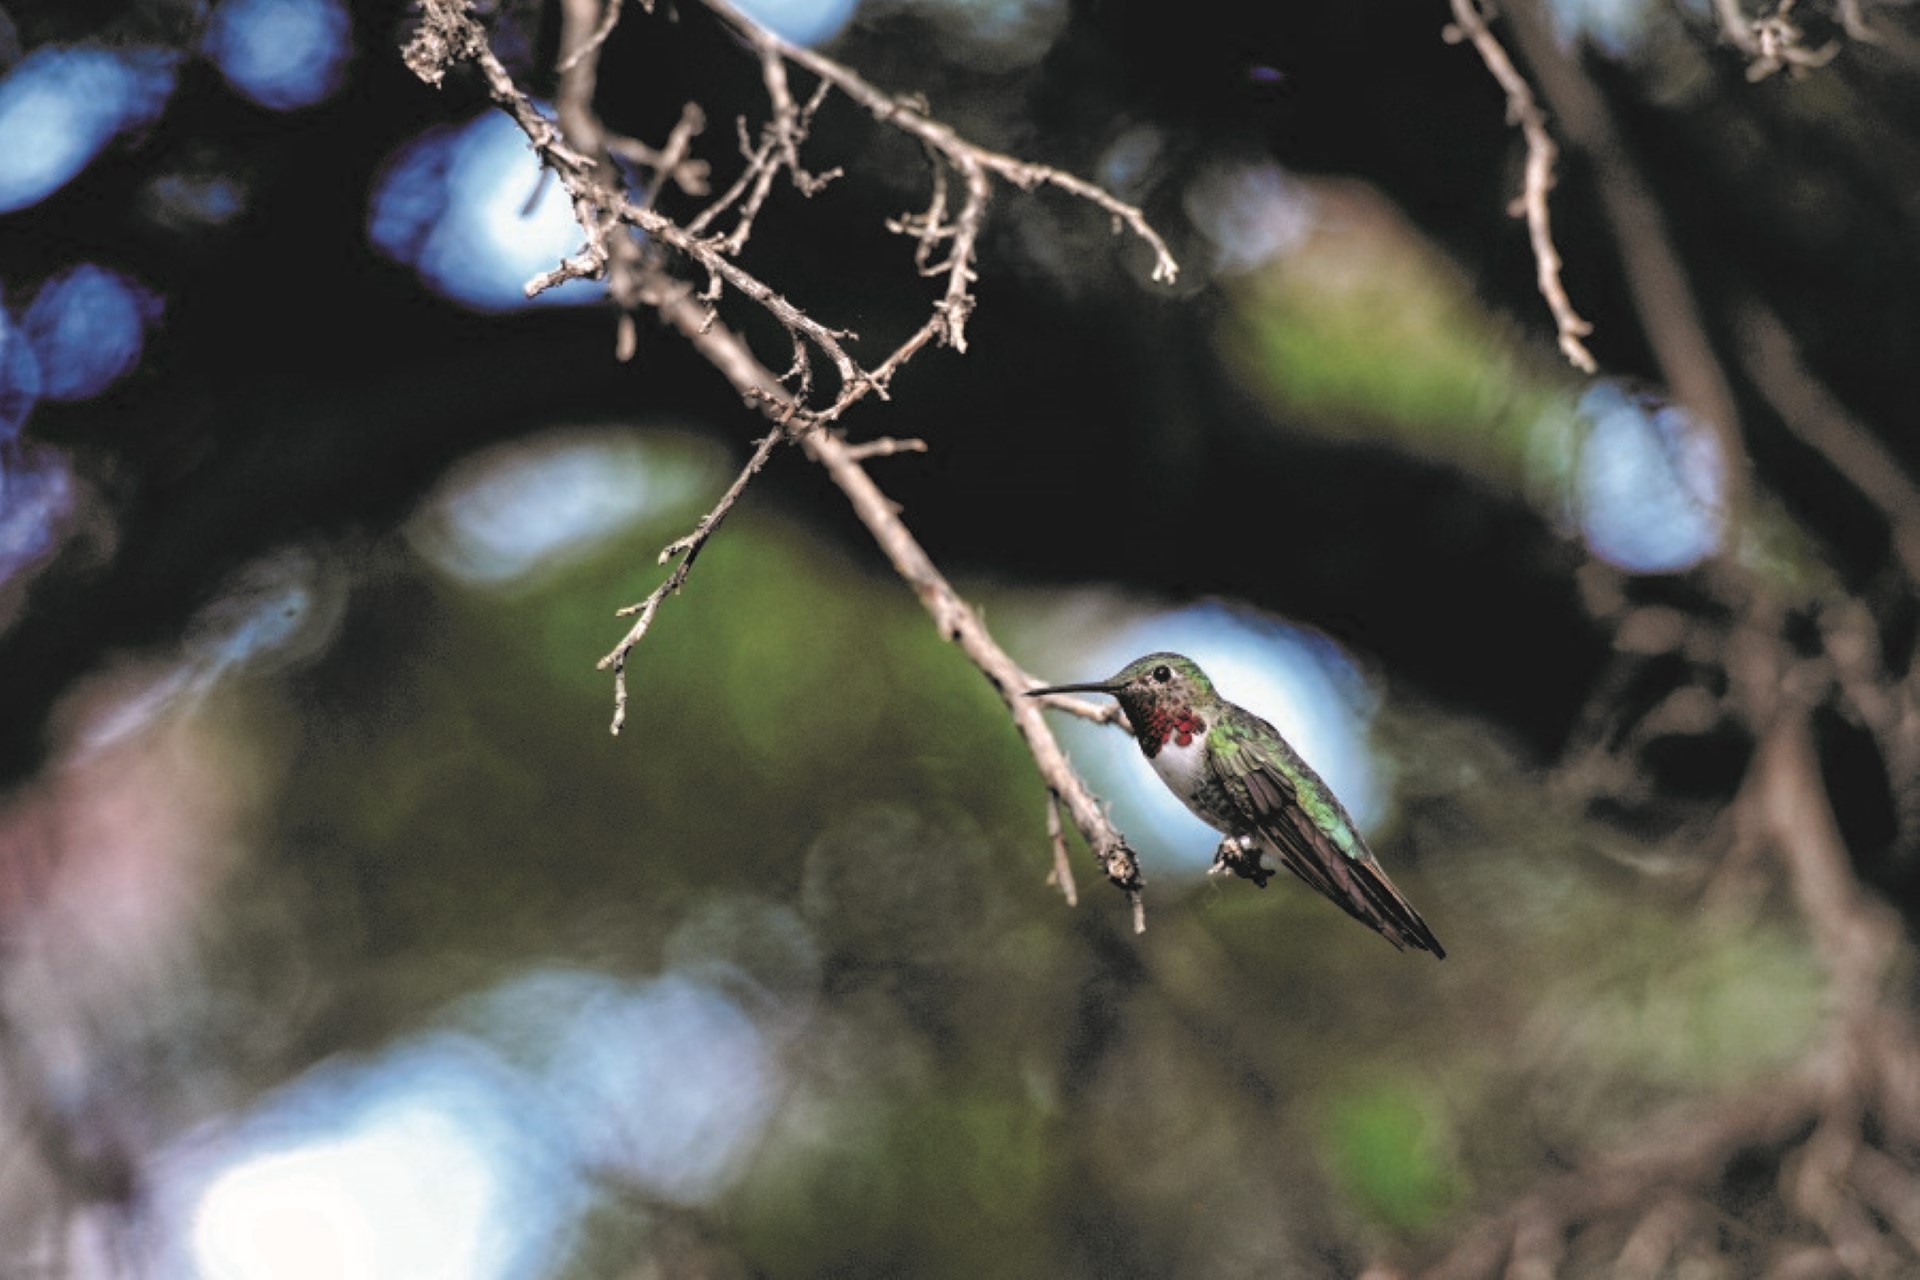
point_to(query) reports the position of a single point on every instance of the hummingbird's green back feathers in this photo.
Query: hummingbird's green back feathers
(1283, 801)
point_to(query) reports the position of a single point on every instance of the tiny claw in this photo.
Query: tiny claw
(1240, 856)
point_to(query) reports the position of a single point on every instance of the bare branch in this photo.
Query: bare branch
(1095, 712)
(1541, 154)
(449, 32)
(590, 47)
(959, 623)
(674, 161)
(954, 619)
(687, 549)
(579, 152)
(910, 117)
(885, 447)
(778, 149)
(1659, 283)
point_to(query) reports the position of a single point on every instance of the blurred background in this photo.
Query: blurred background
(339, 939)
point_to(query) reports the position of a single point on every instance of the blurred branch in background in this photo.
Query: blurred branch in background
(1775, 42)
(1842, 1128)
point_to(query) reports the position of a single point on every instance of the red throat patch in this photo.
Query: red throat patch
(1163, 723)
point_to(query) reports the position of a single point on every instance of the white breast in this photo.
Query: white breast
(1184, 770)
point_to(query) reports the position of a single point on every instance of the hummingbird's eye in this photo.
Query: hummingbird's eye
(1162, 674)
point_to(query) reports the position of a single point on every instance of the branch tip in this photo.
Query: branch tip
(1470, 24)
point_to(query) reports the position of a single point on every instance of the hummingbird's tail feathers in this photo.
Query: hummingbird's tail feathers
(1357, 886)
(1392, 913)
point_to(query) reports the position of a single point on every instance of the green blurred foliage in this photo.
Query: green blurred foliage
(1385, 1146)
(1365, 333)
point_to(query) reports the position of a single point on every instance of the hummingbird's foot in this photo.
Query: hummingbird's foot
(1240, 856)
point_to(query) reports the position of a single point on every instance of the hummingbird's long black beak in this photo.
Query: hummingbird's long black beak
(1098, 686)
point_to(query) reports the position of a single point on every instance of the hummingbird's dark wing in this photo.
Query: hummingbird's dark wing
(1299, 817)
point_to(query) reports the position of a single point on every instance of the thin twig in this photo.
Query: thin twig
(1657, 278)
(607, 251)
(778, 149)
(673, 161)
(961, 624)
(1541, 154)
(687, 549)
(910, 117)
(590, 47)
(449, 33)
(1090, 711)
(885, 447)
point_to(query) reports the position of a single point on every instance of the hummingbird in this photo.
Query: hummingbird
(1243, 779)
